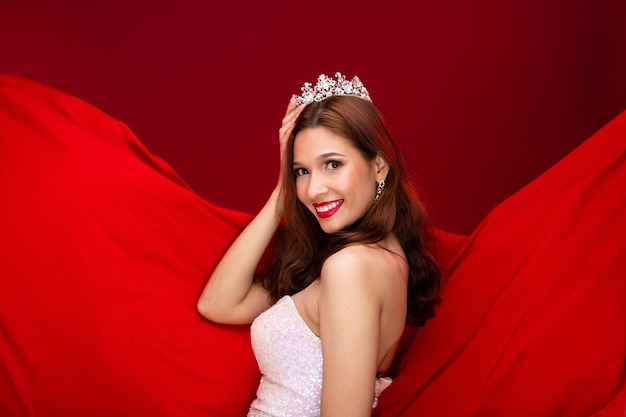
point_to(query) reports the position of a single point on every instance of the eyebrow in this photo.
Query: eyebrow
(322, 156)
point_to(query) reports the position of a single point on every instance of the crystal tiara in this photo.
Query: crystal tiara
(327, 87)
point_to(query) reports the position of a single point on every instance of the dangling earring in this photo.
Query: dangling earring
(379, 189)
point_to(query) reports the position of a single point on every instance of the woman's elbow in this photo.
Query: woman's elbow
(208, 310)
(217, 312)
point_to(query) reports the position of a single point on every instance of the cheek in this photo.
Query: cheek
(367, 191)
(363, 182)
(368, 194)
(301, 191)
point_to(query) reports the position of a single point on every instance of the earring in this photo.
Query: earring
(379, 189)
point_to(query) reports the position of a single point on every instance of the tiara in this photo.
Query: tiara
(327, 87)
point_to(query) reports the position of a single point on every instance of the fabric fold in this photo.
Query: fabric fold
(104, 250)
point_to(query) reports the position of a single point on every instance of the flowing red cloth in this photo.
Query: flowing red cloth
(104, 250)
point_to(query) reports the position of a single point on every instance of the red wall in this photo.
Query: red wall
(483, 96)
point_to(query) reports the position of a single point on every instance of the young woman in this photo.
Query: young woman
(351, 264)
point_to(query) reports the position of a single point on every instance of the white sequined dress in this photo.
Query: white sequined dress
(289, 355)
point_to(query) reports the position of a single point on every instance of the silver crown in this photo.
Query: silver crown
(327, 87)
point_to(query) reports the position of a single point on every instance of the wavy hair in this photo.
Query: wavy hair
(301, 246)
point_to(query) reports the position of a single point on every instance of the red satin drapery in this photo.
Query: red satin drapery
(104, 250)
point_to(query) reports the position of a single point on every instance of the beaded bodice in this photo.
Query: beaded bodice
(289, 355)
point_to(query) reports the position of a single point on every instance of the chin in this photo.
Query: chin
(332, 228)
(328, 227)
(329, 230)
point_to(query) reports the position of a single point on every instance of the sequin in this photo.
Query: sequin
(289, 355)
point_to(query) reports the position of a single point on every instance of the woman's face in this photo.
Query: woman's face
(333, 179)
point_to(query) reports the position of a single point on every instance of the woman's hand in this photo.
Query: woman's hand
(284, 133)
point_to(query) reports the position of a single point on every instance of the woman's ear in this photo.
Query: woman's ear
(382, 168)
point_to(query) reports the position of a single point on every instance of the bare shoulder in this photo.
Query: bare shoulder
(361, 265)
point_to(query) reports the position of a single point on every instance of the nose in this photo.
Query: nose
(316, 186)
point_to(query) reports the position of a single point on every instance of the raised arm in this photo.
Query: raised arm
(230, 295)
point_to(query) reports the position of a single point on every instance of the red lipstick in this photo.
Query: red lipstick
(327, 208)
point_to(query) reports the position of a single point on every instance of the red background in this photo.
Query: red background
(483, 96)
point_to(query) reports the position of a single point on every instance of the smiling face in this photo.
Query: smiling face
(333, 179)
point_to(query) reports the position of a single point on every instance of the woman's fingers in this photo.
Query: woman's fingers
(288, 123)
(293, 110)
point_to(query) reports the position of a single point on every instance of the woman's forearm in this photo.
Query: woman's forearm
(230, 295)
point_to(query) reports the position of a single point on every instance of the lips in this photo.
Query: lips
(327, 208)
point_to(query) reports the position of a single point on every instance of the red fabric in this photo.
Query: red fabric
(104, 251)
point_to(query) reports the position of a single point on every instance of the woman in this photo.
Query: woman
(351, 267)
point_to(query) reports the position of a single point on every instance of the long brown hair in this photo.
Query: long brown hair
(302, 247)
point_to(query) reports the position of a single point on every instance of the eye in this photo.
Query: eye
(332, 165)
(298, 172)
